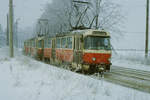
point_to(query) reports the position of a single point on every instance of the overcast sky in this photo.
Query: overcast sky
(27, 10)
(134, 11)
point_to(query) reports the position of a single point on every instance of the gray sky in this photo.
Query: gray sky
(134, 10)
(134, 25)
(27, 10)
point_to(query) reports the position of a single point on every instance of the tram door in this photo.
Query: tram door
(78, 50)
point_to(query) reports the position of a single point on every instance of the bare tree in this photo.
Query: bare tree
(64, 15)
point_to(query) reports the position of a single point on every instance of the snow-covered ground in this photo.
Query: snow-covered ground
(131, 59)
(23, 78)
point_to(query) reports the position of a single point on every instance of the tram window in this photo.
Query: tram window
(69, 40)
(45, 43)
(64, 43)
(33, 43)
(28, 44)
(97, 43)
(49, 43)
(58, 43)
(40, 44)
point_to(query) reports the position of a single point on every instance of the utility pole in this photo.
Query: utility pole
(97, 14)
(11, 28)
(147, 29)
(16, 32)
(7, 34)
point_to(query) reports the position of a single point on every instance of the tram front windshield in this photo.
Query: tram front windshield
(97, 43)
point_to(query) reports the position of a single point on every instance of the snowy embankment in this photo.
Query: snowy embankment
(131, 59)
(23, 78)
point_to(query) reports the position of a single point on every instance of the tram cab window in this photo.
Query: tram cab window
(64, 43)
(97, 43)
(58, 43)
(69, 40)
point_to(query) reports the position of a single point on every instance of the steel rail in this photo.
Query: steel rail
(132, 78)
(131, 70)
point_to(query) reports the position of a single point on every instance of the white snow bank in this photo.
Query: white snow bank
(134, 60)
(23, 78)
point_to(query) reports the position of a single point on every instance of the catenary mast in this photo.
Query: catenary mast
(11, 28)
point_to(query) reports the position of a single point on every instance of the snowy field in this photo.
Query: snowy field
(131, 59)
(23, 78)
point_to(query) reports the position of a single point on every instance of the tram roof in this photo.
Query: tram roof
(85, 32)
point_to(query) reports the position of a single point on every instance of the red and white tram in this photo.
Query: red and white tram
(85, 50)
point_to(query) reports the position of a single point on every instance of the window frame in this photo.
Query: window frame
(58, 39)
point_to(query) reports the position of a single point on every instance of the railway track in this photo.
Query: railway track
(132, 78)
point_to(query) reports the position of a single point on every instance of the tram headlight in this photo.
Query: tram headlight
(94, 59)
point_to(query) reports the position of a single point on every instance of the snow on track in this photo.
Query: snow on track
(23, 78)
